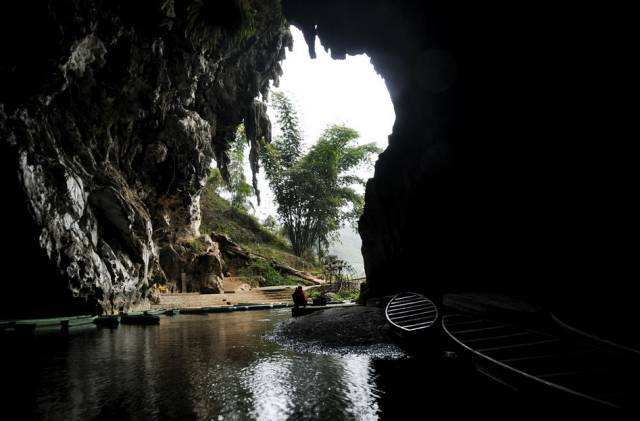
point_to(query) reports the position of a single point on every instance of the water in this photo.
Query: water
(219, 366)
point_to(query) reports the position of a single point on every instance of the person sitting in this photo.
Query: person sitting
(299, 298)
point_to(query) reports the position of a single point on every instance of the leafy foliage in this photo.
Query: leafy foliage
(240, 190)
(215, 180)
(335, 269)
(209, 22)
(315, 191)
(218, 215)
(271, 224)
(270, 275)
(262, 268)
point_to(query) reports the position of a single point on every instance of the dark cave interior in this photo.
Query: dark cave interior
(510, 167)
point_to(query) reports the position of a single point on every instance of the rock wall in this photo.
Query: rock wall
(111, 113)
(509, 167)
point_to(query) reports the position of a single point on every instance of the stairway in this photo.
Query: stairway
(266, 295)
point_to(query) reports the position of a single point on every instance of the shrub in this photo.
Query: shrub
(263, 268)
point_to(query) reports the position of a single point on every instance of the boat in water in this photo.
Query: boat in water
(545, 361)
(45, 326)
(411, 314)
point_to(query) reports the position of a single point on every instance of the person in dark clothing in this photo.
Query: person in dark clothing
(299, 297)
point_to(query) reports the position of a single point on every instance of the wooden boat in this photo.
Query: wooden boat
(411, 313)
(544, 361)
(49, 325)
(139, 319)
(303, 311)
(107, 321)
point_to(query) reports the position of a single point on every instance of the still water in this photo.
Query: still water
(219, 366)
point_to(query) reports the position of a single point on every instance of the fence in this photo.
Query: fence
(350, 285)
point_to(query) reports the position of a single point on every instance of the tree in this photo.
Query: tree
(240, 190)
(271, 225)
(289, 143)
(336, 270)
(314, 192)
(215, 180)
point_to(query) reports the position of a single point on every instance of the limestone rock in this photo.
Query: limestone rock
(110, 116)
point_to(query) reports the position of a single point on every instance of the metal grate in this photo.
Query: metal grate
(411, 312)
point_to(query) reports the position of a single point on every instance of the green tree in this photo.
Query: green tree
(289, 143)
(271, 225)
(314, 192)
(214, 181)
(240, 190)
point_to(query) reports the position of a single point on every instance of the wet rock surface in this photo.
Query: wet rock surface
(339, 327)
(110, 116)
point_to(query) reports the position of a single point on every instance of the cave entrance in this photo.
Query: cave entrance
(325, 92)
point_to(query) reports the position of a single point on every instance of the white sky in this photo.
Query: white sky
(326, 92)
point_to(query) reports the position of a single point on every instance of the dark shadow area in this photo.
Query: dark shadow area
(31, 287)
(511, 166)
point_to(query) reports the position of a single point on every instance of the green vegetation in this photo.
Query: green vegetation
(348, 296)
(262, 268)
(335, 269)
(196, 245)
(313, 293)
(270, 275)
(220, 216)
(210, 22)
(237, 184)
(283, 256)
(314, 192)
(340, 295)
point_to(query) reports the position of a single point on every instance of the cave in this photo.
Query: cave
(509, 169)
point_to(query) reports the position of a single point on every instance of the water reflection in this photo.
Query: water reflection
(312, 387)
(190, 367)
(361, 390)
(272, 396)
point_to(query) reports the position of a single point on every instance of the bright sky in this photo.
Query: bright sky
(326, 92)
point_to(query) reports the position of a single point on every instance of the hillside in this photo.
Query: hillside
(219, 216)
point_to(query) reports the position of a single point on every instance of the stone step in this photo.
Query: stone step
(257, 296)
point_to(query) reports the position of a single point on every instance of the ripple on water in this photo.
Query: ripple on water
(385, 351)
(224, 366)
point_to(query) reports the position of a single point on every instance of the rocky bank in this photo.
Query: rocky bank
(340, 327)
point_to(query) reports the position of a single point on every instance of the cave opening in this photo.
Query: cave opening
(325, 91)
(508, 171)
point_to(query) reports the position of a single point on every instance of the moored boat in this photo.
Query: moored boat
(411, 314)
(139, 319)
(543, 362)
(107, 321)
(49, 325)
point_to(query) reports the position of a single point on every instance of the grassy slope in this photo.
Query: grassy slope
(218, 215)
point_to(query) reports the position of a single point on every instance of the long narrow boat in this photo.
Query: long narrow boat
(111, 321)
(547, 362)
(411, 313)
(139, 319)
(49, 325)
